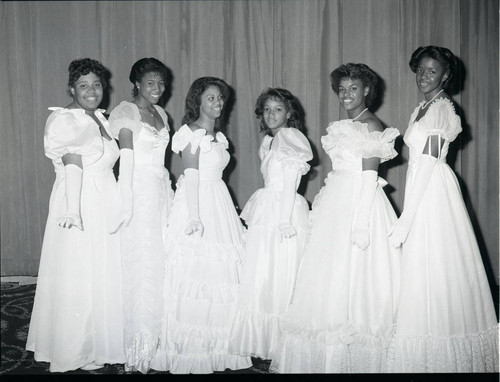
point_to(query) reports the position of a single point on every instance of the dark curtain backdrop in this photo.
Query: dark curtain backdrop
(252, 45)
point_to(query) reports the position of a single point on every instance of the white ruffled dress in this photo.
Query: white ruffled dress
(143, 241)
(270, 267)
(77, 314)
(202, 273)
(344, 303)
(446, 319)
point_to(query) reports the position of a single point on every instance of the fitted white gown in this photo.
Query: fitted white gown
(143, 241)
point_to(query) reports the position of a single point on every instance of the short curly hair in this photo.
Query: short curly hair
(280, 95)
(356, 72)
(193, 98)
(443, 55)
(82, 67)
(144, 66)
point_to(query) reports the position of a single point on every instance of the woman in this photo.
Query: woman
(446, 320)
(204, 244)
(277, 225)
(142, 129)
(77, 314)
(343, 306)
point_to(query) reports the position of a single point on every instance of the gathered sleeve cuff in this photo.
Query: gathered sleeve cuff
(379, 144)
(293, 149)
(125, 115)
(359, 141)
(444, 121)
(69, 131)
(185, 136)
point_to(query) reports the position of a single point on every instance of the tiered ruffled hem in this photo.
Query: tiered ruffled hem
(200, 297)
(474, 353)
(140, 352)
(201, 363)
(341, 348)
(255, 334)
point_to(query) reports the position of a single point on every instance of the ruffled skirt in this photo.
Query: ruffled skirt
(201, 281)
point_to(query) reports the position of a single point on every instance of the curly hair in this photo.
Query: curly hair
(193, 98)
(82, 67)
(144, 66)
(279, 95)
(442, 55)
(356, 72)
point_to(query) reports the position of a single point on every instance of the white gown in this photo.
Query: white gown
(143, 241)
(77, 314)
(202, 273)
(446, 319)
(270, 267)
(343, 307)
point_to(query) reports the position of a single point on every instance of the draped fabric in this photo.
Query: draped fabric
(252, 45)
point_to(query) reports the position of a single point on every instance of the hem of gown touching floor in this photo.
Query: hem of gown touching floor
(341, 348)
(140, 351)
(476, 353)
(185, 347)
(55, 368)
(255, 334)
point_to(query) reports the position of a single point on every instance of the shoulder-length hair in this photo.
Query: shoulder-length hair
(280, 95)
(193, 98)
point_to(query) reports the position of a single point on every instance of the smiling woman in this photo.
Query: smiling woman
(142, 129)
(77, 313)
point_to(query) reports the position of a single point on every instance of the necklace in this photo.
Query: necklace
(359, 115)
(432, 99)
(146, 109)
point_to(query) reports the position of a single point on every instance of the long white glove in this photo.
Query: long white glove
(287, 202)
(401, 228)
(361, 230)
(73, 183)
(125, 186)
(192, 183)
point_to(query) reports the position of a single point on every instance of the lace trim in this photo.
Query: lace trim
(476, 352)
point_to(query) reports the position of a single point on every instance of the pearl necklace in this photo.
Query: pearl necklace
(359, 115)
(432, 99)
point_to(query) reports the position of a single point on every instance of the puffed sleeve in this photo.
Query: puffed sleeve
(125, 115)
(67, 131)
(442, 120)
(379, 144)
(264, 146)
(184, 136)
(293, 149)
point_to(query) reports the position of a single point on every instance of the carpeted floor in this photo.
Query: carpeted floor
(16, 305)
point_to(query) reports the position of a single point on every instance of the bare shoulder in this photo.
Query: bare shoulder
(373, 123)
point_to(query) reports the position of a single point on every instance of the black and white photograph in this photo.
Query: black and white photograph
(250, 187)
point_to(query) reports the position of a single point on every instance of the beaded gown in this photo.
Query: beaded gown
(143, 241)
